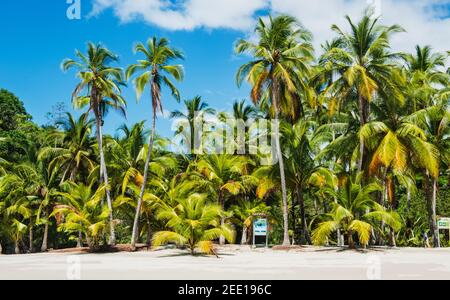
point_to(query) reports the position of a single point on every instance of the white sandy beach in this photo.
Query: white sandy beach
(235, 263)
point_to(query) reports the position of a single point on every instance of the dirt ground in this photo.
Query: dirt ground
(235, 263)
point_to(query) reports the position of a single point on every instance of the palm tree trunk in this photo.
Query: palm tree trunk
(351, 242)
(435, 229)
(16, 247)
(222, 220)
(80, 239)
(408, 198)
(149, 233)
(305, 237)
(294, 220)
(30, 239)
(44, 246)
(275, 95)
(104, 172)
(244, 235)
(135, 234)
(363, 121)
(1, 248)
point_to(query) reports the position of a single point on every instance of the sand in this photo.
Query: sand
(235, 263)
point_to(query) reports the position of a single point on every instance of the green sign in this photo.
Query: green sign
(444, 223)
(260, 227)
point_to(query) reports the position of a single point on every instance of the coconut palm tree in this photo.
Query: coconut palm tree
(76, 149)
(15, 206)
(354, 212)
(364, 64)
(245, 212)
(194, 223)
(227, 174)
(281, 53)
(196, 110)
(101, 83)
(425, 77)
(81, 209)
(156, 72)
(434, 121)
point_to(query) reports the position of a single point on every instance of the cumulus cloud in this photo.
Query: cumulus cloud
(426, 21)
(186, 14)
(423, 20)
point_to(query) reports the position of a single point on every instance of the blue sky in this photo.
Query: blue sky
(36, 36)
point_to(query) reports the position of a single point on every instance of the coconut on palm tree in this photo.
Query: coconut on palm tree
(157, 71)
(99, 90)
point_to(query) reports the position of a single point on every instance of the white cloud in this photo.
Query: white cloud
(186, 14)
(421, 18)
(417, 17)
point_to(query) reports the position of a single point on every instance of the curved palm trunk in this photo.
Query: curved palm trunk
(104, 173)
(135, 234)
(30, 239)
(275, 98)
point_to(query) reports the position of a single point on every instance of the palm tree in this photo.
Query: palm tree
(245, 212)
(425, 76)
(226, 174)
(194, 223)
(101, 82)
(364, 63)
(15, 206)
(434, 121)
(196, 109)
(76, 149)
(283, 51)
(241, 115)
(80, 205)
(156, 70)
(354, 212)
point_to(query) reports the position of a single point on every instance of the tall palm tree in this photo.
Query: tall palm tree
(435, 122)
(364, 63)
(156, 71)
(101, 83)
(281, 53)
(196, 109)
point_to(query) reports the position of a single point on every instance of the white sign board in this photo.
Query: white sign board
(260, 227)
(444, 223)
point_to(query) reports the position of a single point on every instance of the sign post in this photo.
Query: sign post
(260, 228)
(444, 224)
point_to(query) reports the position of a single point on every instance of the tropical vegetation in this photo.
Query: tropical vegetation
(360, 138)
